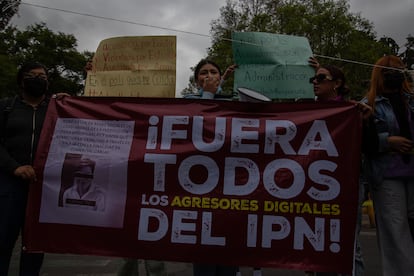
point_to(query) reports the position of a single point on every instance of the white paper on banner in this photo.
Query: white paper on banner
(98, 149)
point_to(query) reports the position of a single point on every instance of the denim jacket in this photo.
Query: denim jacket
(386, 125)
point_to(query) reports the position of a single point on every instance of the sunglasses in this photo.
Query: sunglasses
(319, 78)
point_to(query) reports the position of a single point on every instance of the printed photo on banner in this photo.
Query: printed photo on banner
(85, 176)
(79, 188)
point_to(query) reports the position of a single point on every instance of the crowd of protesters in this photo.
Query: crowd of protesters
(387, 113)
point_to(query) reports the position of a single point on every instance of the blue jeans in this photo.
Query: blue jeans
(394, 208)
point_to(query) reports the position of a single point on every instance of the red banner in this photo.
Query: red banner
(250, 184)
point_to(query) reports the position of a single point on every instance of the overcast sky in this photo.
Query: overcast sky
(391, 18)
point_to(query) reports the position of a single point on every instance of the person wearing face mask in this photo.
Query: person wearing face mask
(391, 170)
(21, 120)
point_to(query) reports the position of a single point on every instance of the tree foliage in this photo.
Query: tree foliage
(8, 9)
(57, 51)
(391, 44)
(336, 35)
(408, 54)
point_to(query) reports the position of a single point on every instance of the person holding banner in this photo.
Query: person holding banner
(391, 170)
(329, 85)
(207, 75)
(21, 122)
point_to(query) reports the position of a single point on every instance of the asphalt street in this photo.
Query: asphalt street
(77, 265)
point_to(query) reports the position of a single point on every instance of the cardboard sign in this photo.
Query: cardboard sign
(134, 67)
(272, 64)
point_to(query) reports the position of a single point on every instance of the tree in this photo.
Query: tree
(391, 44)
(332, 31)
(57, 51)
(8, 9)
(191, 87)
(408, 54)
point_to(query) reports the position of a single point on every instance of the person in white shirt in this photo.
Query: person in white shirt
(84, 193)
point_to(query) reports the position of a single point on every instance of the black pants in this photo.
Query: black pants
(411, 223)
(214, 270)
(13, 200)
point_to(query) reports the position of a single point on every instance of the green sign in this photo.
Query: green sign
(272, 64)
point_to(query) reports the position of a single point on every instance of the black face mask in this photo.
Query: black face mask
(394, 80)
(35, 87)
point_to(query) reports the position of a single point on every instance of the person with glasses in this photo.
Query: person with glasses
(391, 170)
(21, 120)
(329, 84)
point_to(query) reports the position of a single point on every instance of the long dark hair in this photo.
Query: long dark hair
(201, 64)
(338, 74)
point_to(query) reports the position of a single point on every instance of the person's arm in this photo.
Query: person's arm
(7, 163)
(229, 71)
(314, 63)
(60, 95)
(364, 109)
(400, 144)
(88, 67)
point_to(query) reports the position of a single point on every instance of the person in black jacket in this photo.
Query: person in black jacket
(21, 120)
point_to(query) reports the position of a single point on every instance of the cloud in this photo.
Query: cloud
(189, 16)
(390, 18)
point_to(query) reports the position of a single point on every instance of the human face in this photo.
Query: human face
(323, 85)
(208, 77)
(393, 79)
(35, 83)
(83, 182)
